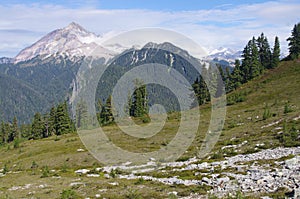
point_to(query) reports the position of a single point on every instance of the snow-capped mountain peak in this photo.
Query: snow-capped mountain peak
(224, 54)
(222, 50)
(72, 41)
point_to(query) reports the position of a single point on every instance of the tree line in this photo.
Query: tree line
(55, 122)
(137, 105)
(257, 57)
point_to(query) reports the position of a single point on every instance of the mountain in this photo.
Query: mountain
(18, 99)
(225, 53)
(72, 41)
(50, 68)
(6, 60)
(224, 56)
(165, 54)
(35, 85)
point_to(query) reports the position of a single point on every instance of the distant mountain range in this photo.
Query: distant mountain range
(45, 73)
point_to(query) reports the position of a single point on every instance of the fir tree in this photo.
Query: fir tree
(46, 132)
(25, 130)
(3, 133)
(52, 122)
(276, 53)
(37, 127)
(63, 122)
(246, 63)
(200, 88)
(139, 104)
(294, 42)
(236, 77)
(255, 66)
(106, 114)
(264, 51)
(14, 133)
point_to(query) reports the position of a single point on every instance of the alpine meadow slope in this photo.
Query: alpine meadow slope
(34, 168)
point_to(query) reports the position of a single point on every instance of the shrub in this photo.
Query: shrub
(5, 169)
(287, 108)
(236, 98)
(289, 137)
(16, 143)
(69, 194)
(217, 155)
(266, 114)
(45, 172)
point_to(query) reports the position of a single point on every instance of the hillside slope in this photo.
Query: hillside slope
(245, 131)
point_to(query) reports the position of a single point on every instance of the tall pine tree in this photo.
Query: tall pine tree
(14, 133)
(63, 122)
(264, 51)
(276, 53)
(255, 64)
(236, 78)
(37, 127)
(139, 104)
(294, 42)
(106, 114)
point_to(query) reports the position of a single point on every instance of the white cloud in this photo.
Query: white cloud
(230, 27)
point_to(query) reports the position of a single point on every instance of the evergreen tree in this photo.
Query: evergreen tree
(52, 122)
(204, 95)
(3, 133)
(14, 133)
(46, 132)
(106, 114)
(196, 89)
(200, 88)
(294, 42)
(63, 122)
(255, 66)
(246, 63)
(25, 130)
(276, 53)
(37, 127)
(264, 51)
(139, 106)
(236, 77)
(251, 66)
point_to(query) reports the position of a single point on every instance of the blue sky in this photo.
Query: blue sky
(211, 24)
(167, 5)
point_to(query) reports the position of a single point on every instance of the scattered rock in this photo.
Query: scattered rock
(206, 180)
(93, 175)
(272, 124)
(42, 186)
(114, 183)
(97, 195)
(106, 176)
(292, 163)
(173, 192)
(296, 118)
(76, 184)
(80, 150)
(82, 171)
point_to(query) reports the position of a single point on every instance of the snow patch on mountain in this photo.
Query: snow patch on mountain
(73, 41)
(224, 55)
